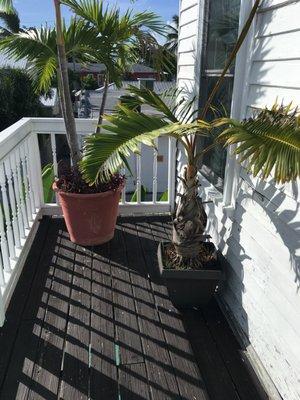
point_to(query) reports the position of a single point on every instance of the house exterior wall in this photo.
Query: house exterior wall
(189, 58)
(256, 224)
(190, 32)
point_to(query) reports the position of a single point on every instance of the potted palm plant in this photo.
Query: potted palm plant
(268, 142)
(90, 210)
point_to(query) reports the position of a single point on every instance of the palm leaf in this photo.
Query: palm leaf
(170, 103)
(11, 21)
(104, 154)
(6, 5)
(270, 142)
(38, 46)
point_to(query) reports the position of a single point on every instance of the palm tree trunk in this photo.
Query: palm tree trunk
(189, 221)
(65, 91)
(103, 103)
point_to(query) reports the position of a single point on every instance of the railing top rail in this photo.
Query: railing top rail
(57, 125)
(13, 135)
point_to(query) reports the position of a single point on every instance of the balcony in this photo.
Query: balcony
(90, 323)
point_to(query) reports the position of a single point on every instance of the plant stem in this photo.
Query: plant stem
(103, 103)
(65, 91)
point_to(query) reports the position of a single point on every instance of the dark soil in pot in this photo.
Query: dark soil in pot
(190, 287)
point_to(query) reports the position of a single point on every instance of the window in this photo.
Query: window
(221, 32)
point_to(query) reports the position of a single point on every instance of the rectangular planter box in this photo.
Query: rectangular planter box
(190, 288)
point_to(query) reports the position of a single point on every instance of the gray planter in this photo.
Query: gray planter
(190, 288)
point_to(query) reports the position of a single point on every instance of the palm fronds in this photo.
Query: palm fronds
(171, 103)
(104, 154)
(172, 35)
(9, 18)
(6, 5)
(38, 46)
(270, 142)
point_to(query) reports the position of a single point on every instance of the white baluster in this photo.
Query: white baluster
(2, 279)
(9, 232)
(171, 173)
(25, 182)
(54, 158)
(154, 187)
(12, 202)
(21, 188)
(123, 195)
(3, 244)
(29, 177)
(13, 163)
(35, 171)
(2, 311)
(138, 175)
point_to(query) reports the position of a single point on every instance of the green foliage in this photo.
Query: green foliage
(106, 153)
(38, 46)
(48, 179)
(143, 195)
(17, 97)
(269, 142)
(89, 82)
(172, 36)
(164, 196)
(119, 35)
(9, 18)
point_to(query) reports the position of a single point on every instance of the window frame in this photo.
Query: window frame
(238, 101)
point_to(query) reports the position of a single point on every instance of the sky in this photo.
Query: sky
(37, 12)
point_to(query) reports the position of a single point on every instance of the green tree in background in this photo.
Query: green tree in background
(118, 37)
(18, 98)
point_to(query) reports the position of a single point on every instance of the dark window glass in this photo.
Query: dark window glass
(221, 35)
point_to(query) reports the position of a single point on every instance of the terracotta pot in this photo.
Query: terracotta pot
(90, 218)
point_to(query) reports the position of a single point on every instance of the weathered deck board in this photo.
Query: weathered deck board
(89, 323)
(16, 308)
(189, 380)
(103, 375)
(75, 368)
(160, 372)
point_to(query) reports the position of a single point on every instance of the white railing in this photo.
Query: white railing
(21, 188)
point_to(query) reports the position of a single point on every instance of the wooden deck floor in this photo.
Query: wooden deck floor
(91, 324)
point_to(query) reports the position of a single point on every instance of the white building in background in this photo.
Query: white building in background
(256, 224)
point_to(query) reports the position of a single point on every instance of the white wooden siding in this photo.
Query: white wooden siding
(188, 70)
(188, 46)
(260, 237)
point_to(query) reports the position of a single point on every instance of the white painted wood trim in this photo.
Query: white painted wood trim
(7, 293)
(240, 91)
(2, 311)
(127, 209)
(57, 125)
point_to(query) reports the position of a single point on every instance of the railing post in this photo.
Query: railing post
(171, 173)
(36, 171)
(2, 311)
(154, 181)
(139, 175)
(7, 215)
